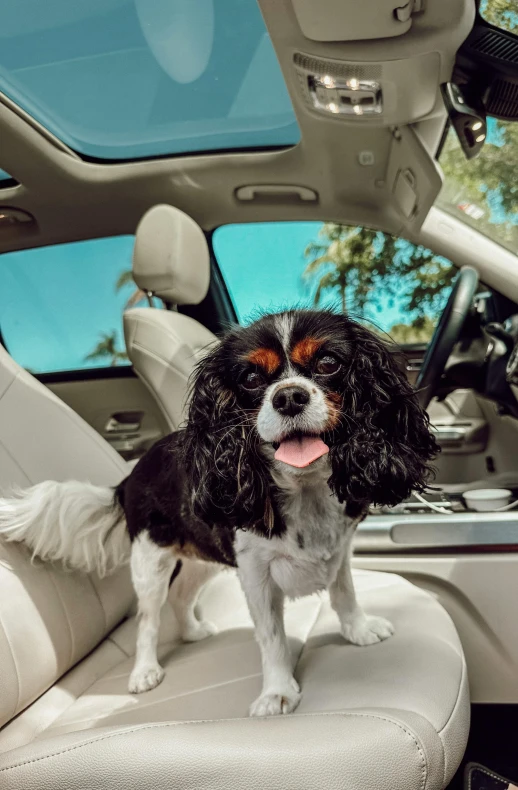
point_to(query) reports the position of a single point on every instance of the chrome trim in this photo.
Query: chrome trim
(394, 534)
(413, 365)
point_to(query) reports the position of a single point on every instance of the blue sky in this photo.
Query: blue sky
(263, 265)
(56, 301)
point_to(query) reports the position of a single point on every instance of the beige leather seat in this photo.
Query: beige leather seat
(171, 261)
(391, 715)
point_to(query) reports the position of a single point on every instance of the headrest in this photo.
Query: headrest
(171, 256)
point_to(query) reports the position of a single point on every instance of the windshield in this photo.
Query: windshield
(483, 192)
(122, 79)
(500, 13)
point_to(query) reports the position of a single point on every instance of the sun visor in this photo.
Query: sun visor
(351, 20)
(413, 178)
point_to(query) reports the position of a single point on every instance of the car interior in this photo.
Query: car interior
(172, 169)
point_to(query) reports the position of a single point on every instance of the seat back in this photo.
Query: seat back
(49, 618)
(170, 261)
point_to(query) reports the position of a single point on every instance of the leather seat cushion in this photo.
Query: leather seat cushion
(393, 714)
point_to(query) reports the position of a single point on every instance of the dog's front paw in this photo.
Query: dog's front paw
(145, 678)
(367, 630)
(199, 630)
(274, 703)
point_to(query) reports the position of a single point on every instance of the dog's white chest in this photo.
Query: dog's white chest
(307, 556)
(297, 576)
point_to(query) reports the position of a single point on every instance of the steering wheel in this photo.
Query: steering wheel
(446, 334)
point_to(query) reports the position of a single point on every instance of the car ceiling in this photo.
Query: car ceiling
(319, 178)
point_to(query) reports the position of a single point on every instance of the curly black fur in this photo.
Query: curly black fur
(380, 450)
(384, 447)
(230, 480)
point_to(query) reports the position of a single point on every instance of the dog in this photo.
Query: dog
(296, 424)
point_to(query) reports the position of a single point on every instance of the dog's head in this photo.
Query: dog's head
(294, 392)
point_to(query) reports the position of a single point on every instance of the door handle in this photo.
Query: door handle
(466, 436)
(124, 422)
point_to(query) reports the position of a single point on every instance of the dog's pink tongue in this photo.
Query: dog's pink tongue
(301, 451)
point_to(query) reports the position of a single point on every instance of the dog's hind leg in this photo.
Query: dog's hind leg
(151, 569)
(184, 596)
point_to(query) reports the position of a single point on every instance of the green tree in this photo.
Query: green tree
(410, 333)
(361, 266)
(489, 181)
(501, 13)
(107, 348)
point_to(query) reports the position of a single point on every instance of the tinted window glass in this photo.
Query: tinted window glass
(483, 192)
(61, 306)
(386, 282)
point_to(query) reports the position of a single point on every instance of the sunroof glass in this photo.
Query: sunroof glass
(5, 179)
(123, 79)
(500, 13)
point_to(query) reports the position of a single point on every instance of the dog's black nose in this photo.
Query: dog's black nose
(290, 401)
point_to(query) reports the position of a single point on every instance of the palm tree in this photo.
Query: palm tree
(363, 265)
(107, 348)
(347, 261)
(126, 278)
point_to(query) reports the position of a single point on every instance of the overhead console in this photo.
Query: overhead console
(355, 20)
(370, 91)
(364, 77)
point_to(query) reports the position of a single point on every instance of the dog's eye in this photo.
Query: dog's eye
(327, 365)
(252, 380)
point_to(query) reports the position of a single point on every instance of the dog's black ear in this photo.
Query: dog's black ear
(385, 445)
(228, 477)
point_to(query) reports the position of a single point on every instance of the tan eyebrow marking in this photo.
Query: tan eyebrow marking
(305, 350)
(266, 358)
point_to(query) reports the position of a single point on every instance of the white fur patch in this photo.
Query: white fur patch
(273, 426)
(151, 570)
(284, 329)
(313, 554)
(75, 523)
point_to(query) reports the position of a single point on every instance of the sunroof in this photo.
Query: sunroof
(124, 79)
(4, 176)
(500, 13)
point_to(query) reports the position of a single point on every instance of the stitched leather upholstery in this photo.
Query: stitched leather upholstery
(171, 259)
(392, 715)
(49, 619)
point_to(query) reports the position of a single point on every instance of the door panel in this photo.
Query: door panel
(480, 594)
(120, 408)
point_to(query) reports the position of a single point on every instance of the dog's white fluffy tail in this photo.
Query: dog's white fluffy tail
(78, 524)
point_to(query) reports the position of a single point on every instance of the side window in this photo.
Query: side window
(61, 306)
(388, 283)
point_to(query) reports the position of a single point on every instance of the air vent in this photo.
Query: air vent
(490, 59)
(503, 100)
(495, 44)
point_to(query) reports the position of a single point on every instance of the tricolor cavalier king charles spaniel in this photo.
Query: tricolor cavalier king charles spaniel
(296, 424)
